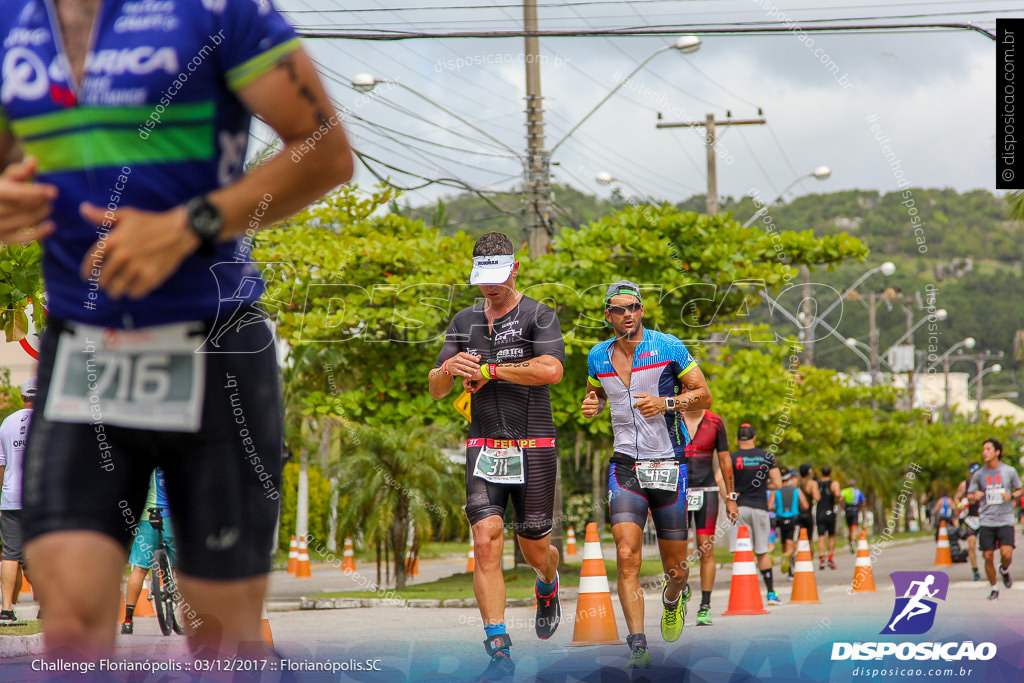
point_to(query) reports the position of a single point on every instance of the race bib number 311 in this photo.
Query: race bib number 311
(145, 379)
(500, 465)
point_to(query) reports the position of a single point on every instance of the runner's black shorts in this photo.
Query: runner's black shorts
(786, 527)
(223, 482)
(993, 537)
(533, 501)
(826, 524)
(705, 520)
(851, 517)
(804, 520)
(628, 502)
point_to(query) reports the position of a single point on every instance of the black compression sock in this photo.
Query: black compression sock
(129, 611)
(769, 582)
(705, 598)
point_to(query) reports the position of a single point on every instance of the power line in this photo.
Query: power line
(663, 30)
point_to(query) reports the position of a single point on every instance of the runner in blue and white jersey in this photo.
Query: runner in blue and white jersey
(648, 378)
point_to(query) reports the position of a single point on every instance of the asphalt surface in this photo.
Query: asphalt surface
(790, 643)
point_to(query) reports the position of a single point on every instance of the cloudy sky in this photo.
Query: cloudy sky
(930, 93)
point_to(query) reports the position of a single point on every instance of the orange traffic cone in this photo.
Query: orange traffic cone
(744, 592)
(302, 567)
(348, 560)
(943, 558)
(570, 542)
(412, 564)
(268, 637)
(293, 556)
(26, 587)
(805, 589)
(595, 620)
(863, 575)
(470, 559)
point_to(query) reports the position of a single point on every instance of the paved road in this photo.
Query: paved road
(791, 643)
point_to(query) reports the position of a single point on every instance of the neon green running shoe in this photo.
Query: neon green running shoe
(640, 659)
(672, 618)
(704, 616)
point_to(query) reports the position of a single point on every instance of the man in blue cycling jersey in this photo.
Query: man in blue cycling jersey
(123, 137)
(649, 379)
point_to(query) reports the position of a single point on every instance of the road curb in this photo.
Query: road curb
(21, 646)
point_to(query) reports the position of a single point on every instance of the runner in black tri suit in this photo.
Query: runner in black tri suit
(825, 516)
(970, 521)
(507, 350)
(807, 484)
(708, 436)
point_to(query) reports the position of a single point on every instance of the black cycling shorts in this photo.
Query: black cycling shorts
(533, 501)
(786, 527)
(851, 517)
(628, 502)
(826, 524)
(223, 482)
(804, 520)
(994, 537)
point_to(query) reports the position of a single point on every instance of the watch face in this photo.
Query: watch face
(205, 219)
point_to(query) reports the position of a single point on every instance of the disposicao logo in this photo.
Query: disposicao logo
(913, 614)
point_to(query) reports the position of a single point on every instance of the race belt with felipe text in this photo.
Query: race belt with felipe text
(509, 443)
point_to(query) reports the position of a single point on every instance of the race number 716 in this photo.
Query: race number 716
(136, 378)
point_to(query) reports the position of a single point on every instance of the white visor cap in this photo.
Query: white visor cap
(491, 270)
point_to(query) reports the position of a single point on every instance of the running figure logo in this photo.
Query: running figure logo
(914, 612)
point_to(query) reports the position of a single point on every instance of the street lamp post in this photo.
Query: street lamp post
(820, 173)
(938, 316)
(605, 178)
(967, 343)
(996, 368)
(367, 82)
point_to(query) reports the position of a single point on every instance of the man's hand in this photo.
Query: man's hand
(591, 405)
(24, 205)
(650, 405)
(732, 510)
(473, 385)
(140, 252)
(465, 364)
(1007, 496)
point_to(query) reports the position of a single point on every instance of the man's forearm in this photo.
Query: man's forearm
(695, 399)
(534, 372)
(282, 187)
(440, 384)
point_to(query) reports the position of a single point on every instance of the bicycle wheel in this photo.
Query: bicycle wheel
(162, 602)
(174, 604)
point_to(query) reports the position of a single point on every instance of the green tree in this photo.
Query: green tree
(399, 481)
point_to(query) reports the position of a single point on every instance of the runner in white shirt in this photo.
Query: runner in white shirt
(13, 434)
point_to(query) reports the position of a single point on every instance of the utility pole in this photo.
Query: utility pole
(709, 125)
(538, 168)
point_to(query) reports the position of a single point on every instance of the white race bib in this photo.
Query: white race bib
(994, 495)
(695, 497)
(658, 474)
(500, 465)
(149, 379)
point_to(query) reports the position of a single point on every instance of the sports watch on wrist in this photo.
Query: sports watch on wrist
(205, 220)
(733, 495)
(670, 404)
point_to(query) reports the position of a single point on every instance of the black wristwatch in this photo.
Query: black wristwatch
(206, 221)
